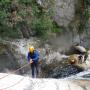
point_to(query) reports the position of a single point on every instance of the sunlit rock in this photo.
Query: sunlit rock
(82, 63)
(80, 48)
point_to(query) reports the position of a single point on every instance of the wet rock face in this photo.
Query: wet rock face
(59, 69)
(65, 71)
(86, 34)
(64, 12)
(88, 22)
(7, 59)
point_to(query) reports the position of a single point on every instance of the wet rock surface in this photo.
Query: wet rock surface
(60, 69)
(7, 58)
(65, 71)
(27, 83)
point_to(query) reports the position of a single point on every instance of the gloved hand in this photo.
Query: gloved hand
(31, 61)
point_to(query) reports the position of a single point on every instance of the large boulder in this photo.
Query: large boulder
(76, 49)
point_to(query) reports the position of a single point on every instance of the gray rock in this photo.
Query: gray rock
(64, 12)
(7, 59)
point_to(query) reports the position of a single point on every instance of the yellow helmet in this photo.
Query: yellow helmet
(31, 49)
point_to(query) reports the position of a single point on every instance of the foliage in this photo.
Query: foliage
(41, 25)
(88, 2)
(81, 15)
(26, 2)
(34, 16)
(9, 32)
(83, 21)
(5, 26)
(41, 20)
(56, 28)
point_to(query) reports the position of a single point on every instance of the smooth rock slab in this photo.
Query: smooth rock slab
(17, 82)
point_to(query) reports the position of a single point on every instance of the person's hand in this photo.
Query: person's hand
(31, 61)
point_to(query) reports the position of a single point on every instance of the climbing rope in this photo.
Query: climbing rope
(14, 72)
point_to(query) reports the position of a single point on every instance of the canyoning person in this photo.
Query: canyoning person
(80, 59)
(85, 56)
(33, 59)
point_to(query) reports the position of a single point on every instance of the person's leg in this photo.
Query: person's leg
(32, 67)
(37, 68)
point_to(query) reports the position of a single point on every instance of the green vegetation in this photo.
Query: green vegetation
(23, 17)
(7, 27)
(82, 16)
(88, 2)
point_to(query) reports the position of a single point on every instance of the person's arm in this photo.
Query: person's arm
(36, 56)
(28, 57)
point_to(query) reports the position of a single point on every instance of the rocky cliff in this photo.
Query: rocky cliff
(64, 11)
(8, 60)
(73, 17)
